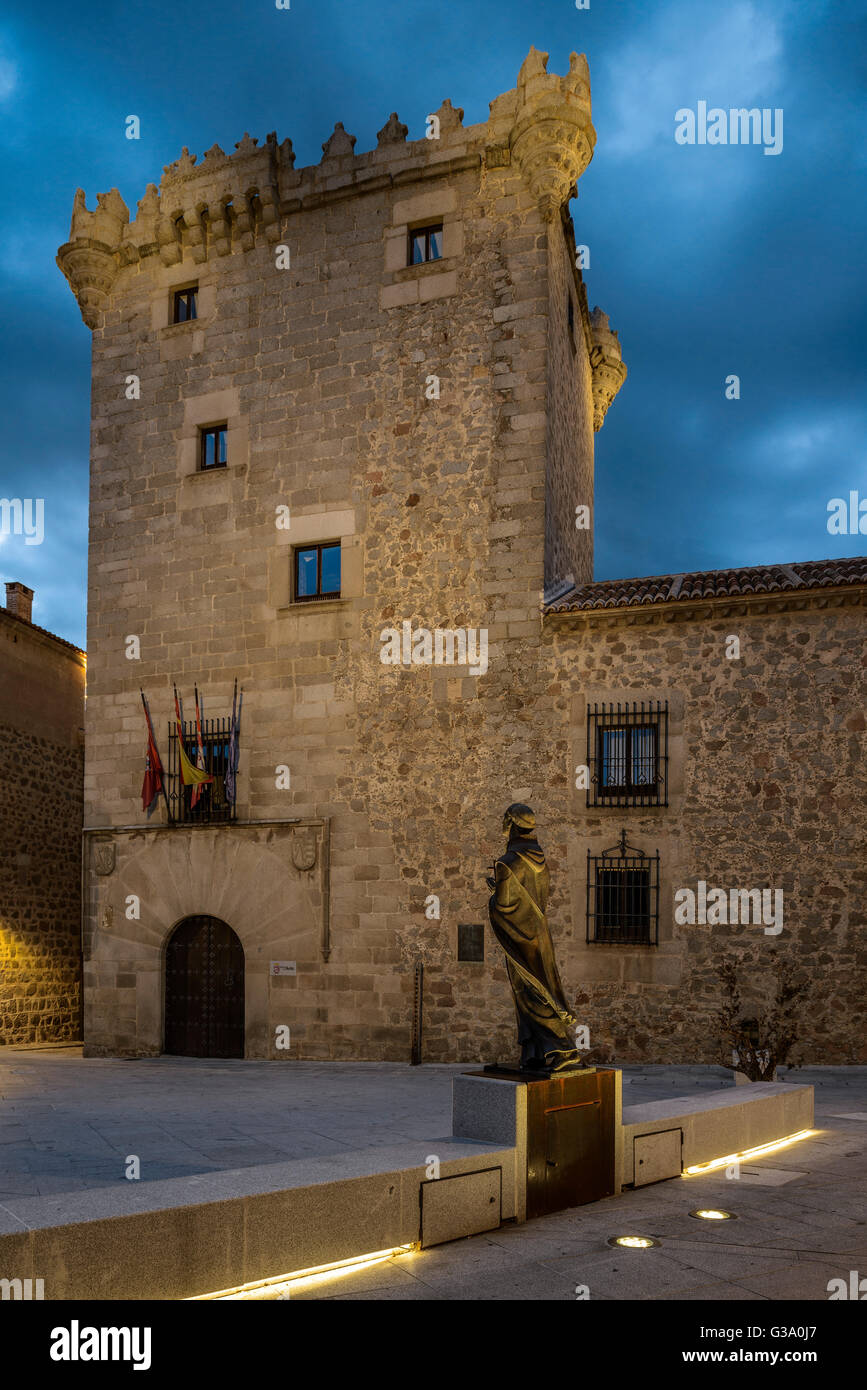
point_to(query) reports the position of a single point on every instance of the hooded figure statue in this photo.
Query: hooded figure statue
(546, 1027)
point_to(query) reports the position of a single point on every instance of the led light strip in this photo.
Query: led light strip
(306, 1276)
(757, 1152)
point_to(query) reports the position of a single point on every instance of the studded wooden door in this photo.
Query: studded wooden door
(204, 990)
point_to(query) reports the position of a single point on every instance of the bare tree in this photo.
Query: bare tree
(757, 1045)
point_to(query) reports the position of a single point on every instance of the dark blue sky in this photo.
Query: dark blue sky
(710, 260)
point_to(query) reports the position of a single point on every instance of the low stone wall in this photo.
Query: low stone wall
(190, 1236)
(715, 1125)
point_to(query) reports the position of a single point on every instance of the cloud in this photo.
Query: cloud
(821, 443)
(8, 76)
(671, 62)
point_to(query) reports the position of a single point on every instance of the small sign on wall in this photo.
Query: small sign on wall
(283, 967)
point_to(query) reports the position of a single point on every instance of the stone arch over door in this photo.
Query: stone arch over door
(204, 989)
(246, 877)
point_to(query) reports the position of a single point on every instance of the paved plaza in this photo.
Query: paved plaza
(68, 1123)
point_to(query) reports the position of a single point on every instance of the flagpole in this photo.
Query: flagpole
(163, 779)
(179, 727)
(229, 777)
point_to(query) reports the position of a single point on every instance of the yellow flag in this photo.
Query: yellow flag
(190, 776)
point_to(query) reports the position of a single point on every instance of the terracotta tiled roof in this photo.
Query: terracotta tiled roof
(712, 584)
(32, 627)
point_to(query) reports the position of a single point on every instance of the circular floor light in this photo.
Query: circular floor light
(713, 1214)
(633, 1242)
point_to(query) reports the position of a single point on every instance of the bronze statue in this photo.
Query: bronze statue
(546, 1027)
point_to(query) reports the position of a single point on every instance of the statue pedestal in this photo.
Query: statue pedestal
(566, 1129)
(531, 1073)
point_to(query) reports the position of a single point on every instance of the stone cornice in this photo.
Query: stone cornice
(674, 610)
(162, 828)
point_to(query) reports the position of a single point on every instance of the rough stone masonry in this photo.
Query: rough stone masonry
(41, 784)
(437, 420)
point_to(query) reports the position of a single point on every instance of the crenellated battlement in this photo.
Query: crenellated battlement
(232, 202)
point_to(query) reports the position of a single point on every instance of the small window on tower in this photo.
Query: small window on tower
(570, 314)
(184, 305)
(425, 244)
(213, 452)
(317, 572)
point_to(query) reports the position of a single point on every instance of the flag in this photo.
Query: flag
(232, 760)
(190, 776)
(200, 756)
(153, 777)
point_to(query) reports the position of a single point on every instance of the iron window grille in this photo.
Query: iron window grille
(185, 305)
(214, 452)
(623, 896)
(317, 572)
(211, 806)
(425, 244)
(627, 754)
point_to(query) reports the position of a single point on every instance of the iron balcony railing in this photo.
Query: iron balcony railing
(211, 805)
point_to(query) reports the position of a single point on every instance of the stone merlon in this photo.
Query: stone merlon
(230, 202)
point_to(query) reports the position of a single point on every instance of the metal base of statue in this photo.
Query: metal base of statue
(571, 1122)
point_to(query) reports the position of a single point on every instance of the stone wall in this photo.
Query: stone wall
(41, 775)
(765, 791)
(569, 478)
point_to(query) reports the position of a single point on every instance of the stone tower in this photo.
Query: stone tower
(391, 354)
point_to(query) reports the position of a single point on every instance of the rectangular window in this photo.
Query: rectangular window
(211, 803)
(570, 313)
(623, 896)
(425, 244)
(627, 754)
(317, 572)
(471, 941)
(213, 447)
(185, 305)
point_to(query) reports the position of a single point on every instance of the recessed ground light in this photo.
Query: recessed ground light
(633, 1242)
(712, 1214)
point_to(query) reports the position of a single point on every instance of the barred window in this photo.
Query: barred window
(211, 804)
(627, 754)
(623, 896)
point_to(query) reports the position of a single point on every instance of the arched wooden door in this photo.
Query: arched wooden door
(204, 990)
